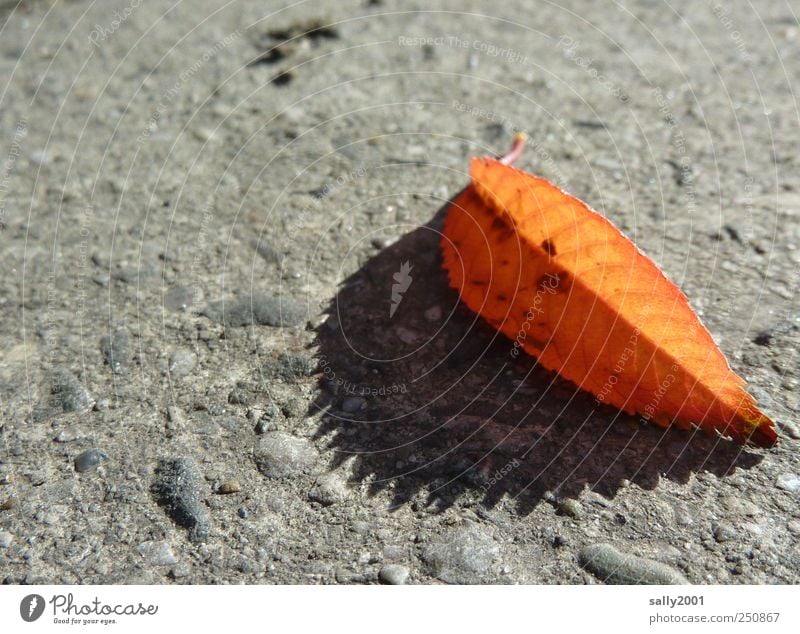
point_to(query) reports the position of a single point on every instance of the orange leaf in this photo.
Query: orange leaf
(567, 287)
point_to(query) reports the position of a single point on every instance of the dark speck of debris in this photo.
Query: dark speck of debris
(272, 56)
(733, 234)
(783, 327)
(313, 30)
(763, 338)
(591, 125)
(283, 79)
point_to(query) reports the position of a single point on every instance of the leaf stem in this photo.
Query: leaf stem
(516, 149)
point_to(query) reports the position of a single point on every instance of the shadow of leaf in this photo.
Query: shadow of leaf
(428, 403)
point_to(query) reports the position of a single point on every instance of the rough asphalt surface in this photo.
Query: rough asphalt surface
(206, 375)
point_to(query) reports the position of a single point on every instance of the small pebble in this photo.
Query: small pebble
(53, 518)
(238, 396)
(571, 508)
(268, 420)
(267, 251)
(6, 539)
(260, 309)
(175, 415)
(229, 486)
(130, 274)
(789, 482)
(683, 517)
(39, 157)
(366, 558)
(613, 567)
(180, 571)
(266, 423)
(294, 408)
(393, 575)
(394, 552)
(406, 335)
(181, 363)
(724, 532)
(182, 298)
(116, 350)
(353, 404)
(37, 478)
(89, 459)
(462, 555)
(328, 489)
(739, 506)
(157, 553)
(434, 313)
(279, 455)
(66, 435)
(346, 576)
(62, 393)
(178, 488)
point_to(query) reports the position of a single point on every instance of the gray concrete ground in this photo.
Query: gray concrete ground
(203, 208)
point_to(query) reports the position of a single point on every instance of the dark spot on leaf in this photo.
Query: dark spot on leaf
(548, 246)
(502, 229)
(548, 280)
(498, 224)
